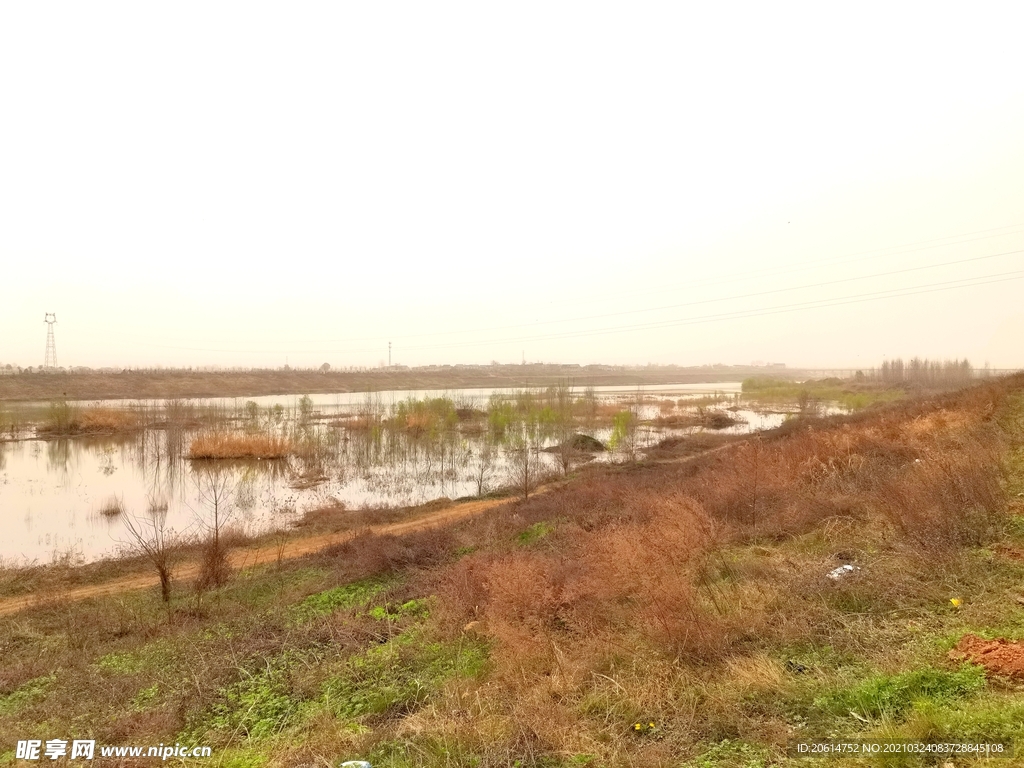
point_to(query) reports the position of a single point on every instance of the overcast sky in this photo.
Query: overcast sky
(255, 184)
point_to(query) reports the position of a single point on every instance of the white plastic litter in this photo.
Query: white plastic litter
(842, 570)
(355, 764)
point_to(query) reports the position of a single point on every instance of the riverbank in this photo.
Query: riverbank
(840, 578)
(166, 384)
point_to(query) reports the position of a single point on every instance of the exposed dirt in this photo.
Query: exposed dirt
(1000, 657)
(1010, 552)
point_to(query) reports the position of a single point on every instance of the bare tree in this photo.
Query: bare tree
(626, 426)
(524, 456)
(485, 465)
(565, 425)
(215, 490)
(152, 539)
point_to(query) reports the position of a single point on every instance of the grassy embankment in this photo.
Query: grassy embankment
(666, 614)
(169, 383)
(849, 394)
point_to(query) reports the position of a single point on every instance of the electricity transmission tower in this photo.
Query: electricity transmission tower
(50, 360)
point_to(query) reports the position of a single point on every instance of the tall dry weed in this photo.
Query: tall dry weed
(238, 445)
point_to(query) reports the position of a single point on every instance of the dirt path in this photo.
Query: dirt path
(252, 556)
(249, 557)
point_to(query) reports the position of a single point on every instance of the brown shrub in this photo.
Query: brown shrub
(108, 420)
(627, 558)
(630, 575)
(948, 498)
(67, 420)
(366, 553)
(214, 568)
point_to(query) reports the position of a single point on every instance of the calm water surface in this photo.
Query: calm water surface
(56, 495)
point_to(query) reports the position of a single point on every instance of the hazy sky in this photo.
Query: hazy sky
(253, 183)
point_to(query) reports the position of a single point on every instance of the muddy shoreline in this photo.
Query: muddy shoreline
(39, 386)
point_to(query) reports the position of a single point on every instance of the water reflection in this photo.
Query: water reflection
(55, 495)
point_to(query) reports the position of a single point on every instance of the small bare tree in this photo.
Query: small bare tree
(565, 425)
(484, 466)
(215, 490)
(626, 427)
(150, 537)
(524, 457)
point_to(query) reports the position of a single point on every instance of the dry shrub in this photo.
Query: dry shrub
(367, 553)
(238, 445)
(632, 569)
(950, 498)
(613, 613)
(629, 578)
(65, 419)
(108, 420)
(418, 423)
(214, 568)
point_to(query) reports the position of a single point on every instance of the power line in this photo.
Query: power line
(920, 245)
(724, 298)
(741, 314)
(734, 315)
(749, 275)
(570, 334)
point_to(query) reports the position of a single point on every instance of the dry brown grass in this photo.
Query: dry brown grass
(666, 591)
(635, 567)
(238, 445)
(108, 420)
(91, 421)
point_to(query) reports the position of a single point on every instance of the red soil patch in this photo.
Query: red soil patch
(999, 656)
(1012, 553)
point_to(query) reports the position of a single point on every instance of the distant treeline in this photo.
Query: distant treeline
(926, 373)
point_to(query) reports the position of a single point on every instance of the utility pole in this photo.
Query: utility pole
(50, 360)
(389, 354)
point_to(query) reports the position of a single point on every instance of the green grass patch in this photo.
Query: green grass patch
(830, 390)
(340, 598)
(265, 587)
(243, 758)
(257, 706)
(121, 663)
(145, 698)
(985, 718)
(418, 608)
(730, 754)
(420, 752)
(893, 695)
(31, 691)
(399, 675)
(535, 532)
(395, 677)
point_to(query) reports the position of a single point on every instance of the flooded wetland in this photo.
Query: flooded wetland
(74, 475)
